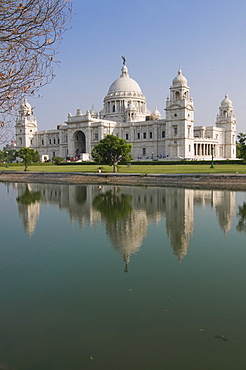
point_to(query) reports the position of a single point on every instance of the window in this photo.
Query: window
(189, 148)
(150, 135)
(144, 151)
(31, 142)
(50, 141)
(54, 141)
(175, 114)
(20, 141)
(54, 154)
(30, 130)
(175, 130)
(96, 136)
(113, 108)
(127, 136)
(144, 135)
(58, 141)
(42, 142)
(138, 135)
(177, 95)
(20, 130)
(163, 134)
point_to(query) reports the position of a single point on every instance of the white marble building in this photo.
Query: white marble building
(125, 114)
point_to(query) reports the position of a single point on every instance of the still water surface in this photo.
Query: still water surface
(122, 278)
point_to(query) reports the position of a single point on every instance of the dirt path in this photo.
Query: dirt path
(216, 181)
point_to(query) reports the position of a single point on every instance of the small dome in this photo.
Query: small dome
(156, 113)
(124, 83)
(226, 102)
(93, 112)
(179, 79)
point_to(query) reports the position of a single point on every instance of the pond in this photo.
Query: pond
(103, 277)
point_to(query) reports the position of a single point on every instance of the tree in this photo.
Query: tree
(7, 155)
(242, 218)
(30, 33)
(112, 150)
(28, 156)
(241, 146)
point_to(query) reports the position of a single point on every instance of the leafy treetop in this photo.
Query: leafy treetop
(112, 150)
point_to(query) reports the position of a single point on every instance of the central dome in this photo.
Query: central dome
(124, 101)
(124, 83)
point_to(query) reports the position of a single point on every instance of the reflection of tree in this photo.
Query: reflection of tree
(29, 197)
(112, 205)
(241, 226)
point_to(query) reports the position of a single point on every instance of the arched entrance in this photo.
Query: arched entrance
(79, 143)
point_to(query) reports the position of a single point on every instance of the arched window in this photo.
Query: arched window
(177, 95)
(113, 109)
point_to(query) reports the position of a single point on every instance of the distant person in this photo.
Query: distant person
(99, 170)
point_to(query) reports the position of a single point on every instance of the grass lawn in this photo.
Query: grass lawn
(142, 169)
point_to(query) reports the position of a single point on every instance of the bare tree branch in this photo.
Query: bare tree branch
(30, 33)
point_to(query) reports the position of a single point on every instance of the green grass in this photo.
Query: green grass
(142, 169)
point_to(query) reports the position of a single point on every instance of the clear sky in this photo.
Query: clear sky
(206, 39)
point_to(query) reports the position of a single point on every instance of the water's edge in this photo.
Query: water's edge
(216, 181)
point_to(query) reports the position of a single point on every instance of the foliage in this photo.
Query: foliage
(241, 145)
(112, 150)
(28, 156)
(112, 205)
(241, 226)
(30, 33)
(7, 155)
(57, 160)
(29, 197)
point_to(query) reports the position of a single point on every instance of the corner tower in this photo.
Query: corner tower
(179, 119)
(26, 126)
(226, 119)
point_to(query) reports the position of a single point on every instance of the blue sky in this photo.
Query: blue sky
(206, 39)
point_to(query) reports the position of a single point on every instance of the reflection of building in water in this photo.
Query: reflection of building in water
(225, 209)
(127, 234)
(147, 205)
(180, 219)
(29, 213)
(223, 201)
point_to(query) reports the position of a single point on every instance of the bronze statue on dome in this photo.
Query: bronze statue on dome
(124, 60)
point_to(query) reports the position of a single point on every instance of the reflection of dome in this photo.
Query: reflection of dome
(127, 234)
(124, 83)
(179, 79)
(226, 102)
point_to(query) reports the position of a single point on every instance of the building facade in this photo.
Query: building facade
(125, 114)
